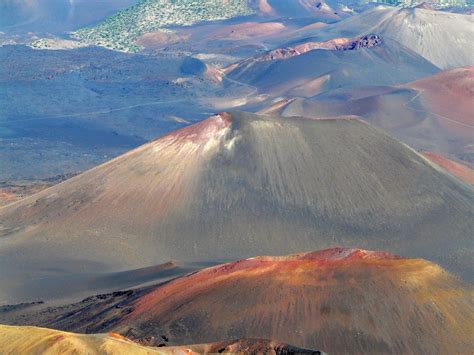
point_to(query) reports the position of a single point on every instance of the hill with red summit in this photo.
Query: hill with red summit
(345, 300)
(232, 186)
(349, 301)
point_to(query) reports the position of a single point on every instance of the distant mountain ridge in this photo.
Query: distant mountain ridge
(445, 39)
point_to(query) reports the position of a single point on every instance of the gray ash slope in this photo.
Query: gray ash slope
(322, 70)
(443, 38)
(65, 111)
(239, 185)
(432, 114)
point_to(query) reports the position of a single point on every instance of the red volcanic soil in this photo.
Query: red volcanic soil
(274, 107)
(451, 96)
(304, 8)
(459, 170)
(434, 114)
(340, 44)
(7, 196)
(332, 44)
(264, 7)
(248, 30)
(159, 38)
(146, 306)
(199, 132)
(313, 26)
(240, 346)
(346, 300)
(206, 33)
(425, 6)
(12, 191)
(213, 73)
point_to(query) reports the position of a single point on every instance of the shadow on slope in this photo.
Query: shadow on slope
(350, 301)
(237, 185)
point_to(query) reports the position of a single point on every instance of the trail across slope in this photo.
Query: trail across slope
(430, 114)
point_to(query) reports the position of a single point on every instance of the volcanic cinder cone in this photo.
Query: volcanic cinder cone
(432, 114)
(344, 301)
(237, 185)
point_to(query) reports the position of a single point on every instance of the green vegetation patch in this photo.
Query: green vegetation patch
(120, 31)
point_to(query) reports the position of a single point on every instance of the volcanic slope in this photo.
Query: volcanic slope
(463, 172)
(443, 38)
(310, 68)
(441, 89)
(432, 114)
(316, 9)
(348, 301)
(34, 340)
(237, 185)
